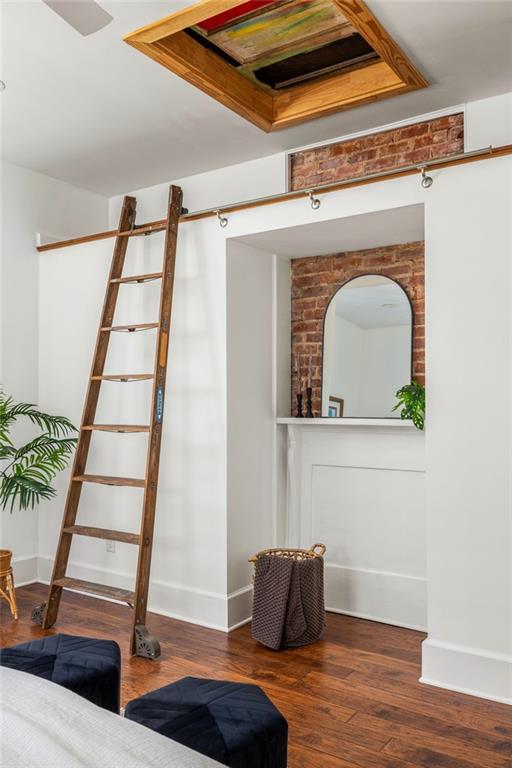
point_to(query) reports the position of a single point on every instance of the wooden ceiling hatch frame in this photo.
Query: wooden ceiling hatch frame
(278, 63)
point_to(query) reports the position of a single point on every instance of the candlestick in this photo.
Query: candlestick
(309, 403)
(299, 414)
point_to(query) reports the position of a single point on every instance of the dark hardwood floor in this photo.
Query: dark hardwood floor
(352, 700)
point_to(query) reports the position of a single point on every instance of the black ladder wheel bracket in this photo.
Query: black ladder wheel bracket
(37, 614)
(146, 645)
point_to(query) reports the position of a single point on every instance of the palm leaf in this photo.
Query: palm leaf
(5, 422)
(28, 482)
(7, 451)
(26, 478)
(42, 468)
(30, 478)
(47, 445)
(26, 490)
(54, 425)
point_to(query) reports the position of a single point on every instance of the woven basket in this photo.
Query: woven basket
(295, 554)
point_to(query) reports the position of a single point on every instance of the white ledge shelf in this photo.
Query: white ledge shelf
(327, 421)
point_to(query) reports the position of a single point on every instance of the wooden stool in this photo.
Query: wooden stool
(7, 590)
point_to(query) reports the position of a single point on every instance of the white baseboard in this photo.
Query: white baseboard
(208, 609)
(196, 606)
(24, 570)
(239, 607)
(390, 598)
(239, 604)
(467, 670)
(376, 596)
(370, 617)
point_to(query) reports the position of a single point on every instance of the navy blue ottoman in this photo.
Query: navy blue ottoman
(89, 667)
(233, 723)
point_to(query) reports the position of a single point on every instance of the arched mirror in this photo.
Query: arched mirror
(367, 348)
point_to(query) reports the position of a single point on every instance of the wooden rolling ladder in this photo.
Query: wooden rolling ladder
(142, 643)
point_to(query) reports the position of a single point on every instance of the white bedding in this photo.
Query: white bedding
(42, 725)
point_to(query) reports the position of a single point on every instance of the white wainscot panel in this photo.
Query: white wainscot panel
(361, 491)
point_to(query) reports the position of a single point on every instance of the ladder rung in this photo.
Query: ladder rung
(103, 533)
(116, 427)
(130, 328)
(124, 377)
(101, 590)
(138, 278)
(133, 482)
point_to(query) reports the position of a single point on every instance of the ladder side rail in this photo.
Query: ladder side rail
(126, 222)
(140, 640)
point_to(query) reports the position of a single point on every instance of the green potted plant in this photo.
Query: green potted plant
(412, 401)
(27, 471)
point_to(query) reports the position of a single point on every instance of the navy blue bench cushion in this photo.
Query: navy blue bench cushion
(39, 664)
(233, 723)
(89, 667)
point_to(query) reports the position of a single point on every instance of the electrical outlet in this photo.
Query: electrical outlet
(111, 546)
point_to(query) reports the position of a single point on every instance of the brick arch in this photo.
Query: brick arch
(315, 280)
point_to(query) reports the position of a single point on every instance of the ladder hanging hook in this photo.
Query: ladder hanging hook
(315, 201)
(222, 219)
(426, 181)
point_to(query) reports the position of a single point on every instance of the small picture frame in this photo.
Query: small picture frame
(335, 409)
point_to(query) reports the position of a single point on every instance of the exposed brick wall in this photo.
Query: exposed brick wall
(315, 280)
(377, 152)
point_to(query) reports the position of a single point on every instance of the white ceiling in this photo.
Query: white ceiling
(97, 113)
(373, 302)
(353, 233)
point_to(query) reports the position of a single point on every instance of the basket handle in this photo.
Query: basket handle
(321, 547)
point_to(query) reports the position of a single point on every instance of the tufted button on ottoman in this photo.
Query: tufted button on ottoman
(233, 723)
(88, 667)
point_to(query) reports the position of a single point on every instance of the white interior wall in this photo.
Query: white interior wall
(488, 122)
(365, 366)
(386, 367)
(189, 554)
(32, 203)
(212, 189)
(283, 333)
(347, 354)
(282, 343)
(250, 417)
(468, 288)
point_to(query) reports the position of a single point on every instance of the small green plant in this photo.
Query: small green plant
(26, 473)
(412, 401)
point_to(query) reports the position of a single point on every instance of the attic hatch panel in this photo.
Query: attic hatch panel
(278, 43)
(341, 54)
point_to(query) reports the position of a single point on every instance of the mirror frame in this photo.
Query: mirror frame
(338, 289)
